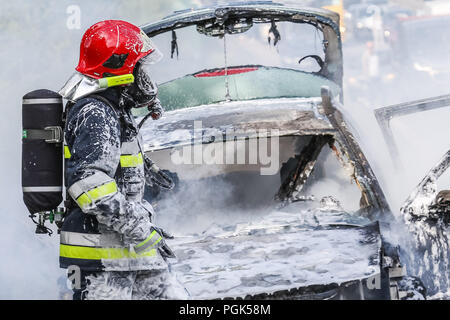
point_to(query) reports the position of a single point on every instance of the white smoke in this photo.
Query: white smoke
(39, 51)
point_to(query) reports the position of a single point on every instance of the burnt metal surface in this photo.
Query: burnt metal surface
(326, 20)
(305, 164)
(386, 114)
(430, 178)
(441, 207)
(363, 172)
(427, 222)
(290, 116)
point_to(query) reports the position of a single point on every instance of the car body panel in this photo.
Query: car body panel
(429, 226)
(288, 115)
(277, 255)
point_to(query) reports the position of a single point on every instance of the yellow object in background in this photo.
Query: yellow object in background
(338, 7)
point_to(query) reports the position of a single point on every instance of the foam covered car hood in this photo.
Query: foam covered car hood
(274, 257)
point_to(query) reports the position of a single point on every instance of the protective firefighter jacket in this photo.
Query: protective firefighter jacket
(108, 227)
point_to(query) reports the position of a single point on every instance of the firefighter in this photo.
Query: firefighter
(108, 232)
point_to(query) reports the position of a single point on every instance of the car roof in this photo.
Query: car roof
(185, 17)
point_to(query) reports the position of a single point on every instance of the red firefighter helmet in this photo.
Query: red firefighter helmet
(113, 47)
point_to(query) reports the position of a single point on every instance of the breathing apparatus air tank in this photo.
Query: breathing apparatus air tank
(42, 154)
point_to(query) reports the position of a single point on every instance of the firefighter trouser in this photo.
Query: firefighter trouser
(129, 285)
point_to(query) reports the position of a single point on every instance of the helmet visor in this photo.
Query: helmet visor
(143, 77)
(154, 54)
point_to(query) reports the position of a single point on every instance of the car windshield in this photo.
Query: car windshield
(258, 60)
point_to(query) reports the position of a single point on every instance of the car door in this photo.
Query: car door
(426, 210)
(438, 174)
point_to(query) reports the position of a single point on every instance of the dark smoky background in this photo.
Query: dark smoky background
(391, 55)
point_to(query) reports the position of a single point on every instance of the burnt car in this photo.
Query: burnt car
(274, 198)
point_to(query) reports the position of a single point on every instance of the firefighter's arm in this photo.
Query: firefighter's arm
(95, 156)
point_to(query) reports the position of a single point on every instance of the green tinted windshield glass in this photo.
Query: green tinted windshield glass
(258, 83)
